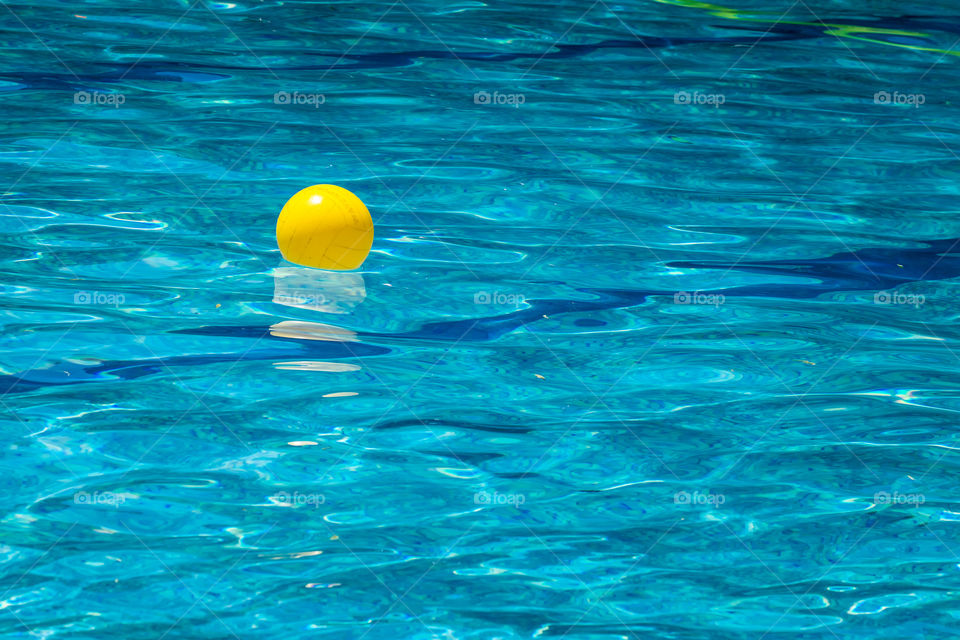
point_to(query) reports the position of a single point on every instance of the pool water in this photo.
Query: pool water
(657, 338)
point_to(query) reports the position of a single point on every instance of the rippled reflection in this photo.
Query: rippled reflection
(326, 291)
(658, 336)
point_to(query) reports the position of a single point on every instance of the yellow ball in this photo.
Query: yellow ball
(325, 226)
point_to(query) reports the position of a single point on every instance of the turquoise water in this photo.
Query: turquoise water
(657, 338)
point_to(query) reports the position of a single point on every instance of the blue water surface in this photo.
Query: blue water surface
(658, 337)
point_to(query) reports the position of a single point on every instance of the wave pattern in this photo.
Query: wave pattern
(657, 339)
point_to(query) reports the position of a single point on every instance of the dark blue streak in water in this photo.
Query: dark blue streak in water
(69, 373)
(172, 71)
(863, 270)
